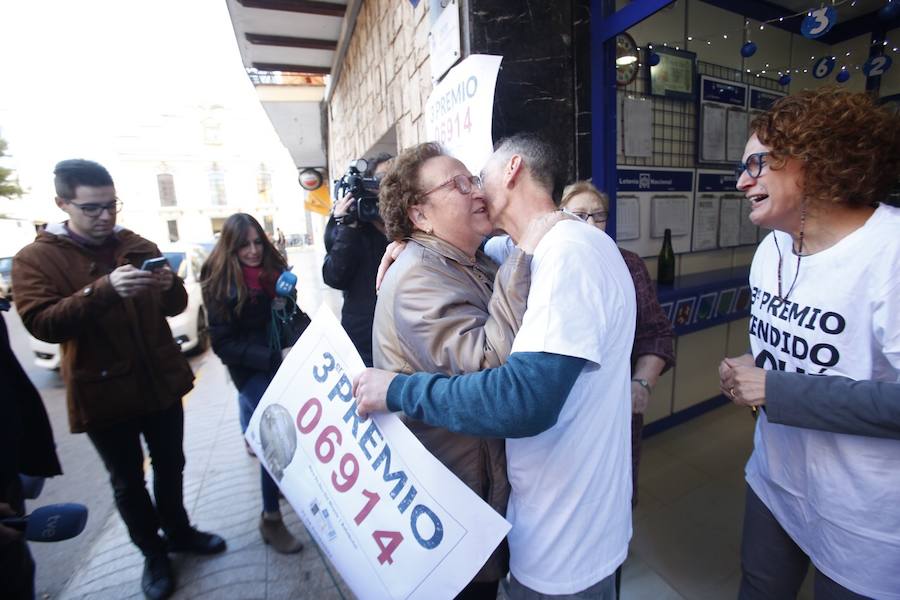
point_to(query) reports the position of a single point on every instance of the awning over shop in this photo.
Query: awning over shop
(290, 48)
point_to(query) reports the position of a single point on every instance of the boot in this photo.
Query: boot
(273, 532)
(158, 581)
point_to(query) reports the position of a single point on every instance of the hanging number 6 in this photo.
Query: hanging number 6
(822, 67)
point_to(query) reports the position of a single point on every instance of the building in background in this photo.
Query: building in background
(180, 173)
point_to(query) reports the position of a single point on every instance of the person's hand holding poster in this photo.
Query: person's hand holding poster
(393, 520)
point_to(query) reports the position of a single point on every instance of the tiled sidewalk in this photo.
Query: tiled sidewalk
(222, 494)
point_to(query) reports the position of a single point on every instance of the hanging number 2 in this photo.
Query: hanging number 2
(876, 66)
(818, 22)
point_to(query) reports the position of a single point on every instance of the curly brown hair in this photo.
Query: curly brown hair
(848, 145)
(402, 188)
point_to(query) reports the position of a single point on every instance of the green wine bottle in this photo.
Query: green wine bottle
(665, 268)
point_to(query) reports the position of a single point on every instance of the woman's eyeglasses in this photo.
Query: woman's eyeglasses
(464, 183)
(599, 216)
(95, 210)
(753, 166)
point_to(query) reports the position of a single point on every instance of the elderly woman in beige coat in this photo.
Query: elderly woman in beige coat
(445, 307)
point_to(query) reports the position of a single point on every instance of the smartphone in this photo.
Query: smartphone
(152, 264)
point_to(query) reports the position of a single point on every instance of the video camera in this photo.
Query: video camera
(364, 190)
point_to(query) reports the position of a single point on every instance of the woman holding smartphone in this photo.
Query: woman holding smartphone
(238, 281)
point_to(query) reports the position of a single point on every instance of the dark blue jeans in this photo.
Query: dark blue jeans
(248, 398)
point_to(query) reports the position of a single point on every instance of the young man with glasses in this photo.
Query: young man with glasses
(80, 284)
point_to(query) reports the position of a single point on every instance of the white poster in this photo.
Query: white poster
(460, 110)
(737, 134)
(390, 517)
(670, 212)
(712, 144)
(748, 232)
(706, 222)
(650, 200)
(638, 125)
(730, 221)
(628, 217)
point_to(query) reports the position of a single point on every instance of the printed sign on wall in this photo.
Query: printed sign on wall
(460, 110)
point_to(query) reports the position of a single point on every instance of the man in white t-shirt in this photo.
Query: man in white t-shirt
(563, 399)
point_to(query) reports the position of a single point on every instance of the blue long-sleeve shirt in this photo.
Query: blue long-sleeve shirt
(521, 398)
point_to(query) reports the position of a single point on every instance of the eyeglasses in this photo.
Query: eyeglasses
(464, 183)
(95, 210)
(599, 216)
(753, 166)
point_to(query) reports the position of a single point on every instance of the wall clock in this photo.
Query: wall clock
(627, 56)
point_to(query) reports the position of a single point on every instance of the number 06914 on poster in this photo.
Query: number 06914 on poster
(391, 518)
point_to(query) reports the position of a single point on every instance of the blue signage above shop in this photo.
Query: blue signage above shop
(654, 180)
(716, 182)
(762, 99)
(723, 92)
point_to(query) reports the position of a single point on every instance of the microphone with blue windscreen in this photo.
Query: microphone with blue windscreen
(288, 321)
(51, 523)
(285, 285)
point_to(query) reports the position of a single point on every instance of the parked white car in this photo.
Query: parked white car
(6, 276)
(189, 328)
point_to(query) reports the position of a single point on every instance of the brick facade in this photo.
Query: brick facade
(385, 81)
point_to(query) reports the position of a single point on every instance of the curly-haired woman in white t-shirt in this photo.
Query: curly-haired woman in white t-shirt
(826, 301)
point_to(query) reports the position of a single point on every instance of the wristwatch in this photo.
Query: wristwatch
(644, 384)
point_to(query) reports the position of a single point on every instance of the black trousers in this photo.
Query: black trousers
(16, 564)
(120, 448)
(773, 566)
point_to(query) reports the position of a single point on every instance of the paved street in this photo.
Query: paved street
(221, 494)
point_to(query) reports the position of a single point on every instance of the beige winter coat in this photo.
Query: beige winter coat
(439, 311)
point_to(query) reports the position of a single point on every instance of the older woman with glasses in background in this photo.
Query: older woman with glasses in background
(653, 350)
(444, 306)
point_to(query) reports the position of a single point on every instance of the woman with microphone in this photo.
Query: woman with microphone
(238, 281)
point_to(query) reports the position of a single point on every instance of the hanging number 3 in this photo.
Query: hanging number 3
(823, 67)
(818, 22)
(877, 65)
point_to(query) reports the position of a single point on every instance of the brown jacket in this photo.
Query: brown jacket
(439, 311)
(119, 360)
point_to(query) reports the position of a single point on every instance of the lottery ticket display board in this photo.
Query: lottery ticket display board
(390, 517)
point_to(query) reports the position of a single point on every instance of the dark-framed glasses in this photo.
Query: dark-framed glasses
(753, 166)
(599, 216)
(464, 183)
(95, 210)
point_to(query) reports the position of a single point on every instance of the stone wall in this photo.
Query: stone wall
(536, 85)
(386, 76)
(384, 82)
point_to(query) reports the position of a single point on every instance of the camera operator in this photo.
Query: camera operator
(354, 247)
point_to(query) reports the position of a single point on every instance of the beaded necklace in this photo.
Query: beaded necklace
(799, 255)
